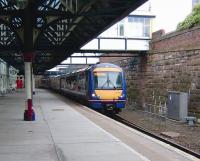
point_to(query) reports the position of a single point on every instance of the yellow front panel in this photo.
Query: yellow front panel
(108, 94)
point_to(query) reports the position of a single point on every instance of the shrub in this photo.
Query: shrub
(191, 20)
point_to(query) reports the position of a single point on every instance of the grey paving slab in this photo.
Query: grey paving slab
(63, 116)
(75, 132)
(23, 127)
(114, 151)
(77, 138)
(28, 153)
(24, 133)
(21, 140)
(27, 138)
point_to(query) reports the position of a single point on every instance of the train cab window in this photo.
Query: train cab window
(108, 80)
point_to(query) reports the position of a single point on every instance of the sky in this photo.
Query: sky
(169, 13)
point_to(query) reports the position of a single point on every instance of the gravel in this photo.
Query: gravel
(189, 135)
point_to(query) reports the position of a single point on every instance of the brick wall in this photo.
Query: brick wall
(182, 40)
(176, 56)
(173, 71)
(173, 64)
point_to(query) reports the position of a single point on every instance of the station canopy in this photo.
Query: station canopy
(52, 30)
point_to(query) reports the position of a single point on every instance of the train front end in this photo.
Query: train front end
(107, 88)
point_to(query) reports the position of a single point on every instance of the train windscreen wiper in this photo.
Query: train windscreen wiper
(107, 82)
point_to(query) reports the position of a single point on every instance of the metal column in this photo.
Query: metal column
(29, 114)
(28, 17)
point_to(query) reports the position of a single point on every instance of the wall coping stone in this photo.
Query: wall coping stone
(173, 34)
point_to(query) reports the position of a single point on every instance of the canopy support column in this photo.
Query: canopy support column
(29, 114)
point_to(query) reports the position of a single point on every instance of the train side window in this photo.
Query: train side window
(82, 81)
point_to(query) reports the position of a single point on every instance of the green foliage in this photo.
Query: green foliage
(132, 92)
(191, 20)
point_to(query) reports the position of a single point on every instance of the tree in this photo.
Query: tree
(191, 20)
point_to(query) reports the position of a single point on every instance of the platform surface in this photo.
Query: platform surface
(62, 133)
(59, 133)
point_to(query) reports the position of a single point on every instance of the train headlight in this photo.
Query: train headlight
(122, 96)
(95, 96)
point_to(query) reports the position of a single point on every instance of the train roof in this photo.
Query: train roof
(91, 67)
(98, 65)
(107, 65)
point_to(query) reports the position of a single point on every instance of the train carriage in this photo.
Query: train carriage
(108, 88)
(101, 86)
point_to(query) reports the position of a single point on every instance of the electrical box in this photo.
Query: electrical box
(177, 105)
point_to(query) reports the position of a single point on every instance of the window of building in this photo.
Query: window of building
(130, 19)
(138, 27)
(146, 30)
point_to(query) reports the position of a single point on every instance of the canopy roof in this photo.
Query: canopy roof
(54, 29)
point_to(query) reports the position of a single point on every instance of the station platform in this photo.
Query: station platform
(67, 131)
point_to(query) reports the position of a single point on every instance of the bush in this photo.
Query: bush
(191, 20)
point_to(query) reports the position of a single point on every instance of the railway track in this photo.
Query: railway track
(134, 126)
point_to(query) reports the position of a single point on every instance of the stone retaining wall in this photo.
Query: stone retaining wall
(173, 64)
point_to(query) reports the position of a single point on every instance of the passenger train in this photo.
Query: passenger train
(102, 86)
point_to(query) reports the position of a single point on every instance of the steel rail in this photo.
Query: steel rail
(134, 126)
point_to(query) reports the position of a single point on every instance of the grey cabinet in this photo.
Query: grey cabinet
(177, 105)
